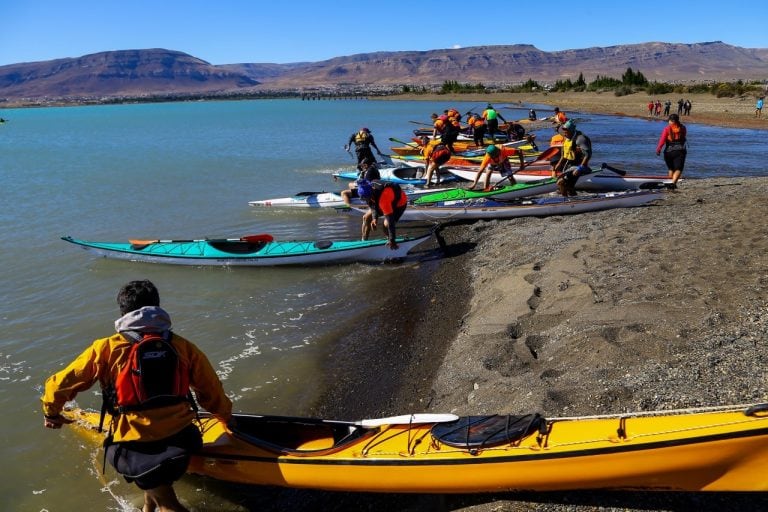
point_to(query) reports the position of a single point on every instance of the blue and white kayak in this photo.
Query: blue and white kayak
(331, 199)
(307, 200)
(413, 176)
(253, 250)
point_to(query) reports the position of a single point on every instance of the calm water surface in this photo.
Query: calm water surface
(188, 170)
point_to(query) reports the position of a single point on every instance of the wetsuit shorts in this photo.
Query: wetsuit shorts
(151, 464)
(675, 159)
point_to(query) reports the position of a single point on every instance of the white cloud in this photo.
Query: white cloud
(456, 46)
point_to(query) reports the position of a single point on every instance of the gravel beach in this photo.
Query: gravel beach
(651, 308)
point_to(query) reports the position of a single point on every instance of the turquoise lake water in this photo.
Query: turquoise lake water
(188, 170)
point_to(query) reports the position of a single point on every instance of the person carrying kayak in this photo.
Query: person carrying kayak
(574, 159)
(146, 373)
(492, 117)
(477, 125)
(673, 141)
(363, 141)
(497, 160)
(383, 199)
(435, 154)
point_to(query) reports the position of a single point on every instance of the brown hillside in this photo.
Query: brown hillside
(158, 72)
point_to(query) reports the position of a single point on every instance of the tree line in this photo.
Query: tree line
(631, 81)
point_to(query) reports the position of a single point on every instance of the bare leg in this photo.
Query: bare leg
(162, 498)
(428, 177)
(367, 219)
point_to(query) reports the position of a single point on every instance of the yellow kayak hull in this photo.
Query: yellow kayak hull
(722, 450)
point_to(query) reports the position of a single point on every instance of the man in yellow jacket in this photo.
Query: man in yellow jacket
(152, 432)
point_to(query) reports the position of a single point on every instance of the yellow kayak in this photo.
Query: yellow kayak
(712, 449)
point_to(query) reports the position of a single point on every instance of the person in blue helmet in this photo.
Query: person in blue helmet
(368, 171)
(383, 199)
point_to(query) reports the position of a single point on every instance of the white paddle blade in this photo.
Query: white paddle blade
(407, 419)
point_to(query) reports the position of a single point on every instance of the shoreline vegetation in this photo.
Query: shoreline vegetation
(729, 112)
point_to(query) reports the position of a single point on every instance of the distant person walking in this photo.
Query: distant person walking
(687, 108)
(759, 107)
(673, 141)
(667, 106)
(680, 104)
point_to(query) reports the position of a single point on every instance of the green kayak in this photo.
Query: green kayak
(516, 191)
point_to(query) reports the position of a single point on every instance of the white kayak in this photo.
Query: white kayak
(307, 200)
(332, 199)
(601, 180)
(535, 207)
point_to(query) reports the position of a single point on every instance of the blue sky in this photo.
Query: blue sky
(227, 32)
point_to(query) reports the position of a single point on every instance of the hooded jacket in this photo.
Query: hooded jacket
(102, 361)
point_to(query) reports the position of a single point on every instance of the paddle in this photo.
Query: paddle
(419, 122)
(544, 156)
(411, 144)
(613, 169)
(263, 237)
(407, 419)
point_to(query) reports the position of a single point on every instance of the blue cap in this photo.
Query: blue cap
(364, 189)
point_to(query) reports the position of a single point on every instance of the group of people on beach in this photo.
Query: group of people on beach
(655, 108)
(147, 373)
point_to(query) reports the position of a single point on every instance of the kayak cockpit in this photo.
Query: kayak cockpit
(297, 435)
(237, 246)
(477, 432)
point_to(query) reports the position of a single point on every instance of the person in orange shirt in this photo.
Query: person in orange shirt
(496, 159)
(558, 118)
(384, 199)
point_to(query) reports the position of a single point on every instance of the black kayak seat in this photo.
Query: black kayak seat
(486, 431)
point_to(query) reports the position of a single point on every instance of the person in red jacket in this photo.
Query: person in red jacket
(384, 199)
(673, 141)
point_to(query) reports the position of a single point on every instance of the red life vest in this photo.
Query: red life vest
(154, 375)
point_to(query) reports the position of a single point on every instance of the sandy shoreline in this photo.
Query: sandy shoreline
(650, 308)
(737, 112)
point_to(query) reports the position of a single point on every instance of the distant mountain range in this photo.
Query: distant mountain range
(159, 72)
